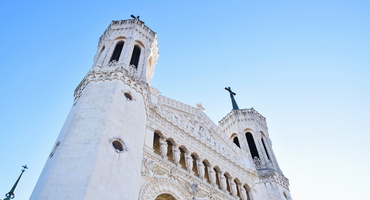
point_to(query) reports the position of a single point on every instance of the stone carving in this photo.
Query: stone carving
(257, 161)
(176, 155)
(131, 69)
(223, 182)
(243, 193)
(194, 190)
(163, 147)
(147, 169)
(155, 187)
(200, 169)
(189, 162)
(212, 176)
(234, 191)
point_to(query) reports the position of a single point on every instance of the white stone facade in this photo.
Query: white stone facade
(123, 140)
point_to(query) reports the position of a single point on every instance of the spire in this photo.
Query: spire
(10, 194)
(232, 94)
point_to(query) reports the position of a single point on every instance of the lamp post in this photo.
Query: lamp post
(10, 194)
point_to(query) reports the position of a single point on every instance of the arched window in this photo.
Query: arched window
(117, 51)
(264, 146)
(195, 167)
(206, 175)
(227, 178)
(156, 145)
(217, 171)
(235, 139)
(135, 56)
(165, 197)
(169, 150)
(247, 191)
(252, 145)
(237, 184)
(182, 158)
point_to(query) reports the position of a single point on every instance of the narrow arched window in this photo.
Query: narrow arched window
(195, 167)
(206, 175)
(218, 173)
(156, 145)
(169, 151)
(227, 178)
(182, 158)
(135, 56)
(252, 145)
(236, 141)
(117, 51)
(264, 146)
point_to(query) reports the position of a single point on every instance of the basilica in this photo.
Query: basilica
(123, 140)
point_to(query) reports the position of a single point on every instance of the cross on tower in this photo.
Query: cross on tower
(232, 94)
(10, 194)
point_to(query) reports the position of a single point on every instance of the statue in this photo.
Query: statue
(189, 162)
(200, 169)
(212, 176)
(234, 192)
(163, 147)
(223, 182)
(176, 155)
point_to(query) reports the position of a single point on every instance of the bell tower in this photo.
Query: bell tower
(128, 44)
(99, 151)
(249, 131)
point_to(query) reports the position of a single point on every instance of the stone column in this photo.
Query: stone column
(163, 147)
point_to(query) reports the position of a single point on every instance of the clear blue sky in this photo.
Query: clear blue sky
(305, 65)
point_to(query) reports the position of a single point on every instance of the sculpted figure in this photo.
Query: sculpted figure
(200, 169)
(194, 189)
(163, 147)
(234, 192)
(223, 182)
(189, 162)
(243, 193)
(176, 155)
(212, 176)
(257, 161)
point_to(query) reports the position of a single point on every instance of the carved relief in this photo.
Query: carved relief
(157, 186)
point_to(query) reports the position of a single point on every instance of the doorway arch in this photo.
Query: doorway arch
(165, 196)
